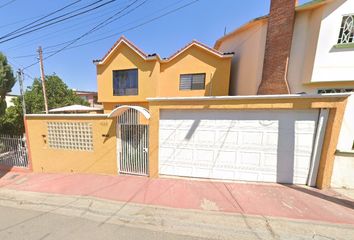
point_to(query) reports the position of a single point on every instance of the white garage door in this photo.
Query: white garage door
(268, 146)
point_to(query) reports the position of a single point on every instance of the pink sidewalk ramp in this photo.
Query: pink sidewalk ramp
(273, 200)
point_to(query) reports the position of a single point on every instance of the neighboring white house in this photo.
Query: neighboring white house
(319, 58)
(9, 98)
(321, 55)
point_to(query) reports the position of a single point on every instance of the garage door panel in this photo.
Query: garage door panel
(226, 159)
(251, 159)
(239, 145)
(227, 138)
(255, 137)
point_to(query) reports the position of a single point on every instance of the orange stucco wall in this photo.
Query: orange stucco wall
(101, 160)
(157, 78)
(336, 106)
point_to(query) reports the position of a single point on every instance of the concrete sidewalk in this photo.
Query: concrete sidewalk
(33, 215)
(271, 200)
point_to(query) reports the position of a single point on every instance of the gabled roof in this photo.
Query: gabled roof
(307, 6)
(124, 40)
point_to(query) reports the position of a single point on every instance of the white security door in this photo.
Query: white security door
(267, 146)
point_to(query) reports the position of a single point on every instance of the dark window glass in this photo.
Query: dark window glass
(192, 81)
(125, 82)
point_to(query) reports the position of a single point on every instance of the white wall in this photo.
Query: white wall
(313, 63)
(8, 100)
(247, 63)
(346, 135)
(303, 50)
(333, 64)
(343, 170)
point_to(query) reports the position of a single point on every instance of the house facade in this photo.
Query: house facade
(306, 49)
(174, 116)
(128, 76)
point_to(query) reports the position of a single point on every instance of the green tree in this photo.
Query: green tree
(58, 94)
(7, 81)
(12, 121)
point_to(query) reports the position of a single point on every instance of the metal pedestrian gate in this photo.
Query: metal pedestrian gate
(132, 143)
(13, 151)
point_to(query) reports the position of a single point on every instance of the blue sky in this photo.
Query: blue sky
(204, 20)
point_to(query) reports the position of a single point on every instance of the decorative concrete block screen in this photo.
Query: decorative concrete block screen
(70, 135)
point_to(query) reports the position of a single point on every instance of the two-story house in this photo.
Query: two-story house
(305, 48)
(127, 76)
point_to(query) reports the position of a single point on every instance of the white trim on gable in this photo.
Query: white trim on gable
(117, 45)
(157, 57)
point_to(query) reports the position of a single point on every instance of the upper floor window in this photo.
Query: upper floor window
(346, 33)
(125, 82)
(192, 81)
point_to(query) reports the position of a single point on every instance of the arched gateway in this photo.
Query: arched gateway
(132, 139)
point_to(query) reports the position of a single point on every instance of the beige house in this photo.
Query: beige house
(320, 49)
(305, 49)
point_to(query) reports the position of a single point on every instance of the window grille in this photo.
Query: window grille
(131, 116)
(346, 33)
(335, 90)
(70, 135)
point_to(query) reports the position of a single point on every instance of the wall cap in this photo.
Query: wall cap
(66, 115)
(252, 97)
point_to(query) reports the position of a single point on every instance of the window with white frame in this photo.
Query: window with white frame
(346, 33)
(192, 81)
(70, 135)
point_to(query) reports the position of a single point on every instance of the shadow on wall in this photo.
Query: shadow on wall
(285, 143)
(111, 132)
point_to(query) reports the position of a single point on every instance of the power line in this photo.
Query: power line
(41, 18)
(88, 19)
(17, 65)
(60, 44)
(114, 34)
(8, 3)
(131, 28)
(19, 21)
(58, 17)
(60, 20)
(101, 24)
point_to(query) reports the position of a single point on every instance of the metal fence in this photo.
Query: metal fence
(13, 151)
(133, 143)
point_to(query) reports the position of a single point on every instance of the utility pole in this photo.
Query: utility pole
(20, 80)
(40, 55)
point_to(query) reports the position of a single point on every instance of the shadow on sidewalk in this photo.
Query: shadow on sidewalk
(315, 192)
(3, 173)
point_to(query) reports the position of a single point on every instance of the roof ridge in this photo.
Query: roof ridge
(156, 55)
